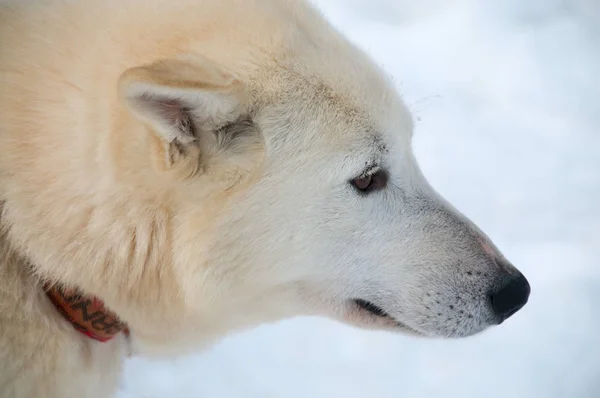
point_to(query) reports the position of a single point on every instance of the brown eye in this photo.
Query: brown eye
(371, 182)
(362, 183)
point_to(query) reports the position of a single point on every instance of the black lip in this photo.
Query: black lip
(372, 308)
(379, 312)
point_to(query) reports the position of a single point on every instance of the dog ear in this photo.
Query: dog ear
(196, 109)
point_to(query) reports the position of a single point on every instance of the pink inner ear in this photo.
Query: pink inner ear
(173, 113)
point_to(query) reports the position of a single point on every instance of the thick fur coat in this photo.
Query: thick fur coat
(204, 166)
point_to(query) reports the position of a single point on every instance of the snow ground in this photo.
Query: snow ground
(506, 99)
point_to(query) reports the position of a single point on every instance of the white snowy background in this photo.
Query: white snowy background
(506, 95)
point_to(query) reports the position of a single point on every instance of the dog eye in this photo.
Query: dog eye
(371, 182)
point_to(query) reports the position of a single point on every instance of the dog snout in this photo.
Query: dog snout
(510, 297)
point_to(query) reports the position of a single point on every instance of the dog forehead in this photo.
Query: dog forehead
(317, 83)
(344, 114)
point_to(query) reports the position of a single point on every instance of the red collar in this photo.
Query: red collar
(87, 314)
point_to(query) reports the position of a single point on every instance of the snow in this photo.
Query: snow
(505, 95)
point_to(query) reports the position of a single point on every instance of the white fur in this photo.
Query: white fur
(190, 237)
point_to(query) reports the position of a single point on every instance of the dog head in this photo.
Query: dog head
(258, 167)
(317, 205)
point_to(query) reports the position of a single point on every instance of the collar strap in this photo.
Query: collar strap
(87, 314)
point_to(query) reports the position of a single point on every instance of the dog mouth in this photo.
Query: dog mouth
(380, 317)
(371, 308)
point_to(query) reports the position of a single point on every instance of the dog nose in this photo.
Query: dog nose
(510, 298)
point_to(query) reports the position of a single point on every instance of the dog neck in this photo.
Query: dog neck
(87, 314)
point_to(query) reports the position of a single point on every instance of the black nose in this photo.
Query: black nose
(510, 298)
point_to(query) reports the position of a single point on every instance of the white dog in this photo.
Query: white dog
(175, 170)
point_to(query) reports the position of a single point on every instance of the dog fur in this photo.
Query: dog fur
(190, 163)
